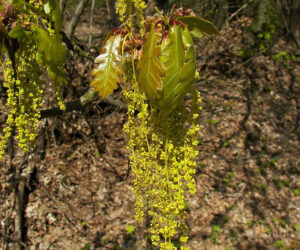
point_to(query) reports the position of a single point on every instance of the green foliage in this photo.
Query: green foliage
(18, 33)
(31, 49)
(214, 234)
(279, 244)
(52, 50)
(178, 57)
(246, 53)
(270, 29)
(52, 7)
(197, 25)
(297, 191)
(130, 229)
(158, 66)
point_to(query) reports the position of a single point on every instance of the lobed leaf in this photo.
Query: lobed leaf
(51, 52)
(150, 68)
(54, 52)
(107, 73)
(197, 25)
(178, 56)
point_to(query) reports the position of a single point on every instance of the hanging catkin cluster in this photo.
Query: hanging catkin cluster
(30, 52)
(162, 153)
(162, 127)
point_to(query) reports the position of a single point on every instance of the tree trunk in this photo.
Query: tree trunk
(260, 17)
(111, 12)
(221, 14)
(62, 6)
(295, 19)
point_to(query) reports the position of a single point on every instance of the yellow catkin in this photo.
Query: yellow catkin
(126, 8)
(25, 89)
(162, 153)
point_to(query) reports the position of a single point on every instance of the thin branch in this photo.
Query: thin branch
(75, 19)
(9, 239)
(72, 45)
(238, 11)
(91, 22)
(283, 16)
(62, 6)
(75, 105)
(78, 104)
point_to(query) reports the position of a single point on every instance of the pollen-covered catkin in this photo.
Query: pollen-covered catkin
(126, 8)
(25, 91)
(162, 153)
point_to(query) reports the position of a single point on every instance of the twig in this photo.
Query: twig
(238, 11)
(75, 105)
(283, 16)
(228, 71)
(78, 104)
(62, 6)
(91, 22)
(10, 239)
(71, 45)
(74, 21)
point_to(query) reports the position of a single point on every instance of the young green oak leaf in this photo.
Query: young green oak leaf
(178, 56)
(198, 25)
(53, 50)
(107, 73)
(150, 68)
(56, 15)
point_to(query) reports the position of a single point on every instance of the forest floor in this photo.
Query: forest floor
(248, 185)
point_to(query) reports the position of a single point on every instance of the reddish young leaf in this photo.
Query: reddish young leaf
(150, 68)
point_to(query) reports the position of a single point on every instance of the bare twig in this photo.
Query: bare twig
(71, 45)
(111, 13)
(238, 11)
(62, 6)
(10, 239)
(91, 22)
(78, 104)
(283, 16)
(74, 21)
(75, 105)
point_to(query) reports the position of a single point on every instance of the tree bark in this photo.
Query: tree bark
(295, 20)
(111, 12)
(62, 6)
(222, 13)
(91, 22)
(260, 17)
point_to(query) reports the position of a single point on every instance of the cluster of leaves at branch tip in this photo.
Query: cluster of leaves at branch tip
(157, 69)
(31, 50)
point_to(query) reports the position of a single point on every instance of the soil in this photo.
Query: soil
(248, 184)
